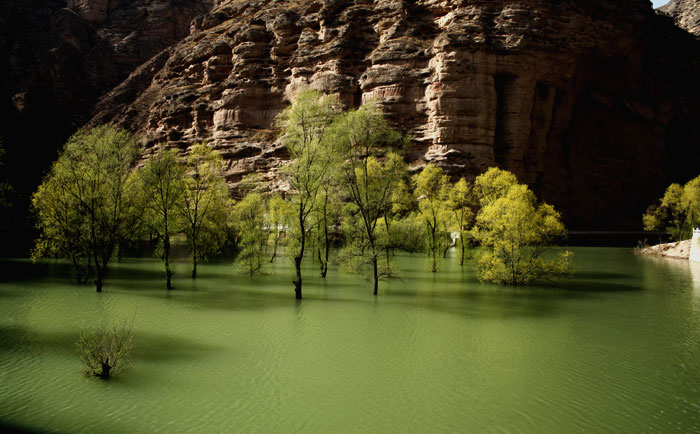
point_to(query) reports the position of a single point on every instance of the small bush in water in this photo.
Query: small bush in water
(105, 350)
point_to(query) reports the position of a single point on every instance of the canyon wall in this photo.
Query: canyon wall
(595, 104)
(686, 14)
(57, 57)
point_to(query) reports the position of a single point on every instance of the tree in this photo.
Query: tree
(162, 186)
(64, 229)
(677, 212)
(493, 184)
(105, 351)
(515, 231)
(88, 199)
(278, 218)
(249, 217)
(461, 203)
(369, 174)
(432, 192)
(205, 204)
(304, 125)
(324, 218)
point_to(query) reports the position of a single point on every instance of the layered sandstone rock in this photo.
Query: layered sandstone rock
(686, 13)
(593, 103)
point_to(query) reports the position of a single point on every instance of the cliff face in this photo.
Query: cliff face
(593, 103)
(686, 13)
(56, 61)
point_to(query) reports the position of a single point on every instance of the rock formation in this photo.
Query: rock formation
(686, 13)
(56, 61)
(593, 103)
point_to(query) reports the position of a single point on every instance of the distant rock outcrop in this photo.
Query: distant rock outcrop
(686, 13)
(595, 104)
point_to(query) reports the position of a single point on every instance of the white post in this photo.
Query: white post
(695, 246)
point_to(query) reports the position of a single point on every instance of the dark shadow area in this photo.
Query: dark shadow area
(598, 275)
(10, 428)
(16, 337)
(150, 347)
(593, 286)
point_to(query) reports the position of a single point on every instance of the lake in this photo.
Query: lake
(615, 349)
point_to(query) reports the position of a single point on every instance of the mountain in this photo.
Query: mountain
(686, 13)
(595, 104)
(56, 61)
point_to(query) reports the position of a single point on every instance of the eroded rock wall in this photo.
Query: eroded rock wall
(593, 103)
(56, 61)
(686, 13)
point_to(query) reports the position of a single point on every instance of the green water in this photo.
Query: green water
(617, 349)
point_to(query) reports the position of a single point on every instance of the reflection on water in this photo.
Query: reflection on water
(616, 349)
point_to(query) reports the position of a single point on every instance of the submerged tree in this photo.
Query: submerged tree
(249, 217)
(369, 174)
(515, 231)
(432, 193)
(304, 126)
(162, 186)
(278, 218)
(677, 212)
(205, 205)
(105, 351)
(325, 216)
(460, 204)
(87, 202)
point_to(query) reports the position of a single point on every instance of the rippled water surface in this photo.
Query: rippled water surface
(616, 349)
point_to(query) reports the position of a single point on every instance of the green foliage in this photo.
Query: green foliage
(305, 125)
(162, 185)
(462, 204)
(368, 176)
(205, 206)
(408, 234)
(86, 205)
(105, 351)
(677, 212)
(249, 216)
(277, 219)
(493, 184)
(431, 190)
(324, 219)
(515, 231)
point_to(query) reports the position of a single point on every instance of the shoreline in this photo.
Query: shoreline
(675, 250)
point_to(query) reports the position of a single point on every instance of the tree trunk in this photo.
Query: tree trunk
(166, 259)
(300, 256)
(461, 258)
(98, 282)
(194, 260)
(99, 276)
(274, 249)
(376, 274)
(105, 371)
(297, 282)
